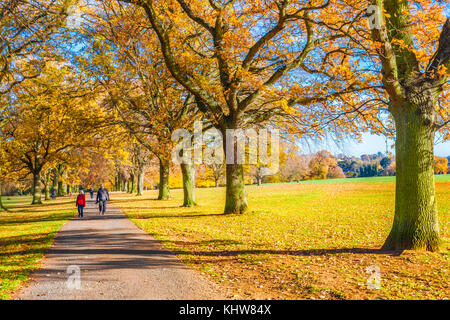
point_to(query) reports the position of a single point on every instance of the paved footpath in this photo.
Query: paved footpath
(116, 260)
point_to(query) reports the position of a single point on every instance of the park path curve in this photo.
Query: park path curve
(116, 260)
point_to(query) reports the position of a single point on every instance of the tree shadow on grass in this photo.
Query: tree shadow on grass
(301, 253)
(41, 210)
(154, 208)
(127, 200)
(45, 203)
(23, 220)
(193, 215)
(29, 240)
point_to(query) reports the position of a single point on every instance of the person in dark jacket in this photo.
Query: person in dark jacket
(81, 203)
(102, 197)
(91, 191)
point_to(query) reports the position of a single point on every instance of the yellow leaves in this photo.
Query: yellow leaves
(442, 71)
(284, 105)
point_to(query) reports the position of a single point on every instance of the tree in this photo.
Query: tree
(440, 165)
(148, 101)
(295, 168)
(139, 158)
(25, 27)
(385, 162)
(413, 81)
(46, 180)
(335, 172)
(404, 56)
(4, 170)
(241, 73)
(322, 165)
(47, 119)
(211, 172)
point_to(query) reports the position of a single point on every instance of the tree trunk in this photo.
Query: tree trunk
(55, 180)
(235, 197)
(236, 201)
(416, 220)
(2, 208)
(116, 183)
(140, 182)
(132, 184)
(47, 186)
(47, 192)
(216, 182)
(259, 181)
(188, 171)
(36, 188)
(164, 190)
(61, 191)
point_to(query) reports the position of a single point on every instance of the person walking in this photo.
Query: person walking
(53, 194)
(81, 203)
(91, 191)
(102, 197)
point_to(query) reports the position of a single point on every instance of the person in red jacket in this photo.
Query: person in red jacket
(81, 203)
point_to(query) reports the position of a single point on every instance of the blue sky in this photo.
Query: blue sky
(370, 144)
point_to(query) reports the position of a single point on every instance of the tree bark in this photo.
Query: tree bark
(61, 191)
(236, 201)
(55, 180)
(416, 220)
(133, 183)
(47, 192)
(188, 171)
(2, 207)
(36, 188)
(47, 186)
(164, 190)
(140, 182)
(235, 197)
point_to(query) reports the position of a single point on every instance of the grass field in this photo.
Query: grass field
(311, 240)
(25, 234)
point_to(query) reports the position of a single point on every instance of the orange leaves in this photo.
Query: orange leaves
(442, 71)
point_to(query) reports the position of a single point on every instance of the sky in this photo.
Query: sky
(370, 144)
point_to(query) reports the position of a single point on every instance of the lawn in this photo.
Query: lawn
(298, 241)
(26, 232)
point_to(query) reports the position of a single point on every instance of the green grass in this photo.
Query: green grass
(26, 232)
(308, 240)
(327, 231)
(438, 178)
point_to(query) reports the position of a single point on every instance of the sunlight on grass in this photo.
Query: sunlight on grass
(26, 232)
(327, 232)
